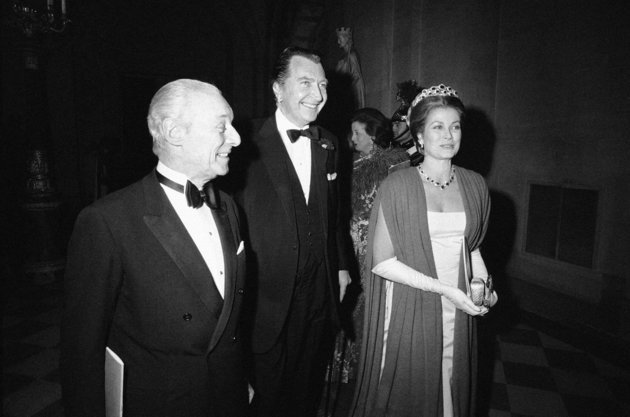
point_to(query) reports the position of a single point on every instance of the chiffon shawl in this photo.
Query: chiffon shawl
(411, 383)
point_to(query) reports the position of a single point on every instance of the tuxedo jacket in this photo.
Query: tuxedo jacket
(136, 282)
(267, 204)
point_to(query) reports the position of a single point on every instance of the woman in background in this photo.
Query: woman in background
(419, 352)
(371, 136)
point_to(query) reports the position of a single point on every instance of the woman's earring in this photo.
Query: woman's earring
(420, 142)
(419, 146)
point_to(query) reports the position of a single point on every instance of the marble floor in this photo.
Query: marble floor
(528, 371)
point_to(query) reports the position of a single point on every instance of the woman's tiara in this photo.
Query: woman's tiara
(436, 90)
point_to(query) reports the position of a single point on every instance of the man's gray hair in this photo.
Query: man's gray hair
(171, 101)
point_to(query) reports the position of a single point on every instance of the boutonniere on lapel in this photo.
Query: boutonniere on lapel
(326, 144)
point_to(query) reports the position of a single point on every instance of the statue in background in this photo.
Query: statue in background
(350, 65)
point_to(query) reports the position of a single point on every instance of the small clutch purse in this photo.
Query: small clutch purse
(481, 291)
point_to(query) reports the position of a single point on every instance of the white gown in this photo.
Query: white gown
(447, 231)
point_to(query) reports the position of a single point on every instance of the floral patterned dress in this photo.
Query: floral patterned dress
(367, 174)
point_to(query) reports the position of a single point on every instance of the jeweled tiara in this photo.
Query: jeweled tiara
(436, 90)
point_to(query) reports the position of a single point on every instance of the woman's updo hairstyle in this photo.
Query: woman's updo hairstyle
(376, 125)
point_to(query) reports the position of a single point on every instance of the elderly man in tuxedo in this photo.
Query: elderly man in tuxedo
(298, 268)
(156, 272)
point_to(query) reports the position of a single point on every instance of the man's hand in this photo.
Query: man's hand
(344, 281)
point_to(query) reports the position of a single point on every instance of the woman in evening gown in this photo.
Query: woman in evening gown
(372, 142)
(419, 345)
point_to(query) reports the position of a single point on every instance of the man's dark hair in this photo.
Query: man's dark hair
(281, 68)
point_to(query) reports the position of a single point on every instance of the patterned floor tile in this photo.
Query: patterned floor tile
(524, 371)
(551, 342)
(52, 316)
(12, 383)
(48, 337)
(498, 374)
(532, 355)
(620, 387)
(499, 413)
(8, 321)
(535, 402)
(38, 365)
(499, 397)
(580, 406)
(32, 399)
(581, 384)
(570, 360)
(521, 337)
(15, 352)
(23, 329)
(529, 376)
(53, 410)
(606, 368)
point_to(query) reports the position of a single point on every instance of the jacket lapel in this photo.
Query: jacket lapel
(228, 244)
(162, 220)
(319, 180)
(275, 160)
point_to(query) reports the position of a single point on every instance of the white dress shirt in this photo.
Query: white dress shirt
(200, 225)
(299, 151)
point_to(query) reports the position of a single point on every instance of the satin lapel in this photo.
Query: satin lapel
(166, 226)
(228, 245)
(319, 179)
(275, 157)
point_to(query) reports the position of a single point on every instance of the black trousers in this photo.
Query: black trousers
(289, 378)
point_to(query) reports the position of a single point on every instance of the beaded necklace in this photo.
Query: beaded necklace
(436, 183)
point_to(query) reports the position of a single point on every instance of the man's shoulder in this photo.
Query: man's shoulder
(265, 127)
(122, 198)
(325, 133)
(264, 133)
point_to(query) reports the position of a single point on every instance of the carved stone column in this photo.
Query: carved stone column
(44, 254)
(28, 29)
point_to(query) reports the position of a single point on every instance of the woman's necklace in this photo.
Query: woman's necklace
(436, 183)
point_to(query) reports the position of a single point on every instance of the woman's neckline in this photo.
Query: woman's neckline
(363, 158)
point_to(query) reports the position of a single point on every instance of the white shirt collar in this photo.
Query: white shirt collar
(285, 124)
(171, 174)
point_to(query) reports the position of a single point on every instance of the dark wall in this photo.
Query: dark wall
(98, 76)
(87, 100)
(545, 81)
(546, 85)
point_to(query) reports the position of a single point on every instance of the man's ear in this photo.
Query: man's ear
(277, 91)
(173, 131)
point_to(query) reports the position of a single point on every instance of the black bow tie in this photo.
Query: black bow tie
(311, 133)
(194, 197)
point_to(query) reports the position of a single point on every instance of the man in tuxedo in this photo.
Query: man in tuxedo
(298, 268)
(156, 272)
